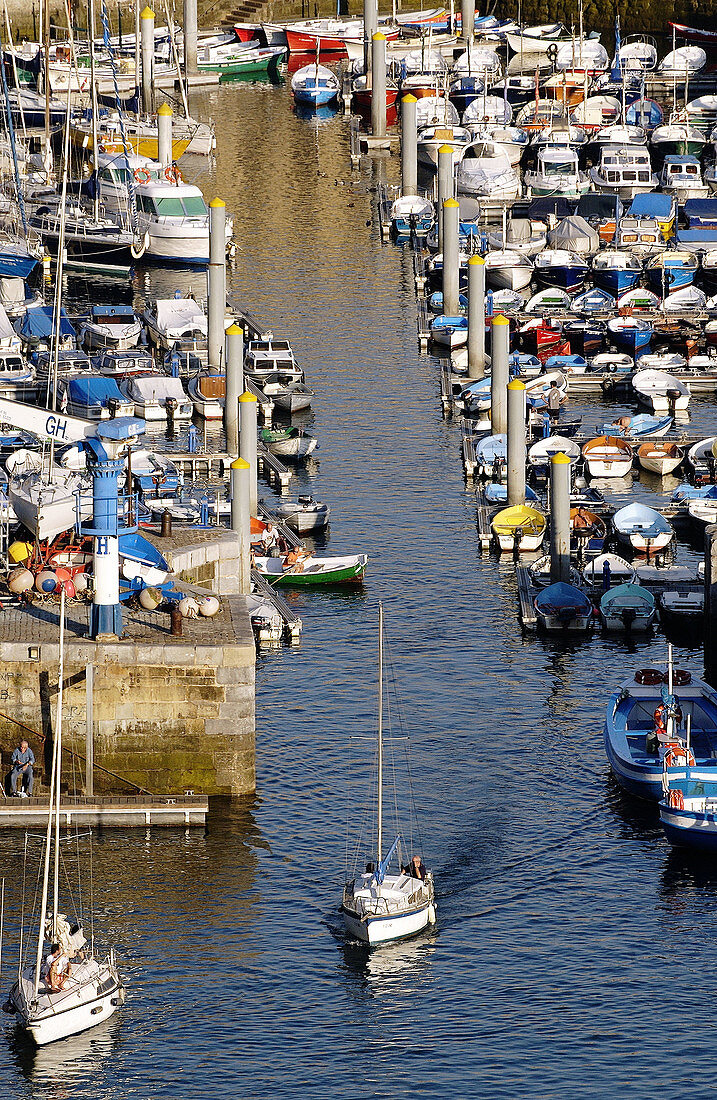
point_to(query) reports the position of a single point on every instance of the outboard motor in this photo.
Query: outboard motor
(113, 406)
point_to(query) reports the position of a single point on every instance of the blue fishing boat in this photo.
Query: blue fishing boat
(464, 90)
(556, 267)
(616, 271)
(629, 608)
(646, 113)
(647, 713)
(632, 333)
(16, 260)
(563, 607)
(641, 426)
(594, 300)
(671, 270)
(688, 810)
(586, 337)
(315, 86)
(450, 332)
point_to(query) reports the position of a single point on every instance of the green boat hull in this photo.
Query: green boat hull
(348, 575)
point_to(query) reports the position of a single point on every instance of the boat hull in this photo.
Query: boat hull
(61, 1015)
(393, 926)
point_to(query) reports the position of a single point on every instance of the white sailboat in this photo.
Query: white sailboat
(93, 989)
(379, 907)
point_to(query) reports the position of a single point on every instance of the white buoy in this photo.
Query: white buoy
(209, 606)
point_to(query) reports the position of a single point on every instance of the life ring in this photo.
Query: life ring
(680, 677)
(679, 758)
(648, 676)
(676, 799)
(172, 173)
(142, 175)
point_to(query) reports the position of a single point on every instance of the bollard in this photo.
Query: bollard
(370, 26)
(241, 519)
(710, 619)
(559, 518)
(451, 260)
(468, 20)
(516, 443)
(217, 282)
(166, 531)
(190, 37)
(147, 39)
(476, 317)
(378, 85)
(164, 135)
(248, 443)
(500, 343)
(234, 386)
(409, 146)
(175, 618)
(445, 185)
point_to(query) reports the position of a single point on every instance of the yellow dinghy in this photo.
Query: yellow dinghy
(519, 528)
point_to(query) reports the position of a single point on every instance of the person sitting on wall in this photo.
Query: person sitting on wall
(22, 760)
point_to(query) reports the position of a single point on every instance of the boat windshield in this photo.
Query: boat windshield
(174, 206)
(560, 168)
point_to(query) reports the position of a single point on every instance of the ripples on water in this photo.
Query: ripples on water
(573, 955)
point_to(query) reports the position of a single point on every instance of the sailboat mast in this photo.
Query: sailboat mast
(137, 77)
(379, 844)
(48, 153)
(58, 765)
(93, 84)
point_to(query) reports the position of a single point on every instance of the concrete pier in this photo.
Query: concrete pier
(500, 346)
(409, 145)
(559, 518)
(476, 317)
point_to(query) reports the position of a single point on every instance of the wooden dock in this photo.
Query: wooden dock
(123, 811)
(526, 597)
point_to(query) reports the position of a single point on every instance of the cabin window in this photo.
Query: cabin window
(194, 205)
(170, 207)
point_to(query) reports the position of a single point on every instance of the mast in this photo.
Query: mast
(137, 78)
(58, 769)
(48, 151)
(380, 733)
(93, 85)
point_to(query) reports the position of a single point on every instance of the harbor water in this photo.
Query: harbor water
(573, 955)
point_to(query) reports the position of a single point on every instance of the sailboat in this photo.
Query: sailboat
(93, 990)
(379, 907)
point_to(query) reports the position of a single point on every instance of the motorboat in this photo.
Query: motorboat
(290, 398)
(486, 171)
(619, 136)
(315, 85)
(93, 397)
(644, 529)
(677, 139)
(631, 333)
(641, 235)
(47, 506)
(491, 453)
(412, 214)
(433, 138)
(511, 139)
(586, 336)
(263, 358)
(660, 391)
(560, 268)
(113, 326)
(508, 269)
(487, 111)
(520, 235)
(434, 110)
(519, 528)
(304, 515)
(114, 363)
(628, 608)
(671, 270)
(701, 461)
(563, 607)
(175, 218)
(681, 176)
(636, 741)
(596, 112)
(557, 174)
(616, 270)
(290, 443)
(574, 235)
(623, 170)
(171, 319)
(660, 458)
(607, 456)
(683, 609)
(207, 392)
(642, 426)
(157, 397)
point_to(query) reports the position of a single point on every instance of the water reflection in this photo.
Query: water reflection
(60, 1068)
(315, 114)
(393, 968)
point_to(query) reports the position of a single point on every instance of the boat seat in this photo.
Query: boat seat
(212, 387)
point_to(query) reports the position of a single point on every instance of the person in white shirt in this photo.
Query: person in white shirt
(57, 968)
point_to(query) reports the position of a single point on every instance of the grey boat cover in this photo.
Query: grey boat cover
(574, 234)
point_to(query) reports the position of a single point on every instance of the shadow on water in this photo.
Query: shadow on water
(639, 817)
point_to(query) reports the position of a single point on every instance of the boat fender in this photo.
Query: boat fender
(431, 915)
(648, 676)
(139, 246)
(9, 1007)
(142, 175)
(676, 799)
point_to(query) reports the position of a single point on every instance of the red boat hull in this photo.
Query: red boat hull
(305, 42)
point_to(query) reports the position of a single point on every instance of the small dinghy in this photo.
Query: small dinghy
(495, 493)
(638, 299)
(607, 570)
(593, 300)
(412, 214)
(647, 716)
(299, 568)
(449, 332)
(491, 453)
(315, 85)
(562, 607)
(628, 608)
(644, 529)
(266, 621)
(547, 301)
(541, 452)
(539, 571)
(588, 532)
(304, 515)
(660, 458)
(608, 456)
(701, 461)
(642, 426)
(688, 300)
(683, 609)
(702, 511)
(661, 391)
(520, 528)
(288, 442)
(507, 269)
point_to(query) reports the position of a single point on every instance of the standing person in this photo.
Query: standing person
(554, 401)
(22, 760)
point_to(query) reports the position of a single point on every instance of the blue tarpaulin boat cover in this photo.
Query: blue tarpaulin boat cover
(94, 391)
(695, 236)
(701, 213)
(137, 548)
(652, 205)
(38, 323)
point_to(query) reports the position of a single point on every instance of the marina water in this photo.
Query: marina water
(574, 953)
